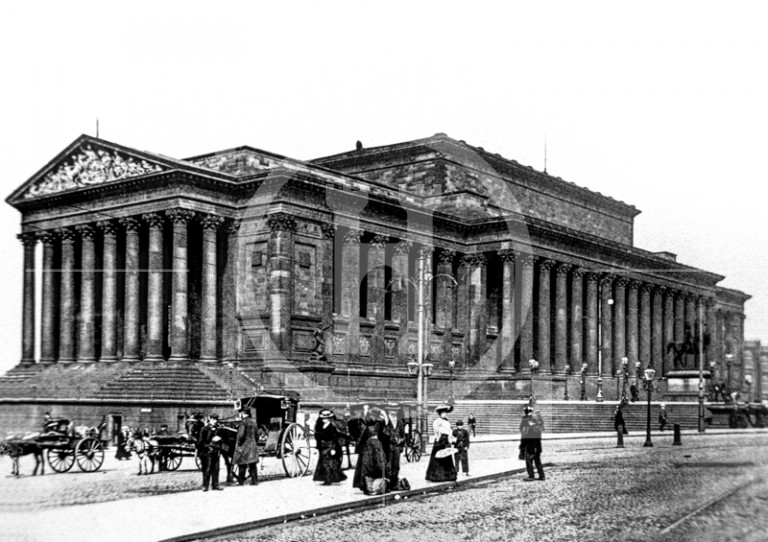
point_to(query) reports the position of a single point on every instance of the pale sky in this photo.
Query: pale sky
(663, 105)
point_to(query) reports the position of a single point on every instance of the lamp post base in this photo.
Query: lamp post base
(648, 444)
(599, 397)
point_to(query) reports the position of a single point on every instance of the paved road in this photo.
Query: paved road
(593, 493)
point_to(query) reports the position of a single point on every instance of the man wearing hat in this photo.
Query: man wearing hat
(462, 445)
(246, 450)
(209, 451)
(531, 427)
(395, 431)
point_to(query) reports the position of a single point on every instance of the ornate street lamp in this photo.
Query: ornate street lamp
(583, 382)
(599, 397)
(567, 372)
(534, 366)
(451, 367)
(648, 375)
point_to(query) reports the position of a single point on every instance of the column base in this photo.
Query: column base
(208, 359)
(179, 357)
(66, 360)
(154, 357)
(27, 361)
(47, 361)
(131, 358)
(87, 360)
(108, 359)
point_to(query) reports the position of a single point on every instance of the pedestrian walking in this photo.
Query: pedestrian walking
(441, 466)
(472, 423)
(374, 462)
(618, 421)
(371, 417)
(531, 428)
(329, 446)
(662, 416)
(395, 430)
(209, 451)
(246, 449)
(462, 445)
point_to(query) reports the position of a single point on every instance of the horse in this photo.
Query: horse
(689, 345)
(16, 447)
(146, 450)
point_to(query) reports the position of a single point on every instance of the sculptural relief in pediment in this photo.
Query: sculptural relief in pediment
(87, 166)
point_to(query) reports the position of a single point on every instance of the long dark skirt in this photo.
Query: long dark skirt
(441, 470)
(329, 467)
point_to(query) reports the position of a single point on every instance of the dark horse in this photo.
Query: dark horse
(17, 447)
(227, 430)
(689, 345)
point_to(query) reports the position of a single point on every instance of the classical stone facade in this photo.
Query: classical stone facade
(250, 268)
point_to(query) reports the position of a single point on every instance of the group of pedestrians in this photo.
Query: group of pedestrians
(246, 454)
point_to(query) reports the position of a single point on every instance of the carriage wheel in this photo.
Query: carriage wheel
(413, 451)
(61, 459)
(89, 453)
(294, 448)
(172, 460)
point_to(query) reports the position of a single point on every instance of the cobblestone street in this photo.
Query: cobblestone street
(592, 493)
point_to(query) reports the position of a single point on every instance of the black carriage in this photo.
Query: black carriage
(65, 445)
(279, 435)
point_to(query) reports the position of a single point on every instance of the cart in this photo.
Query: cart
(278, 433)
(65, 445)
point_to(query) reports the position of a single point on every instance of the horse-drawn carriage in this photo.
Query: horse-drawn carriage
(63, 444)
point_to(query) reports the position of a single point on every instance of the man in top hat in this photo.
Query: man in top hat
(395, 431)
(246, 451)
(531, 427)
(462, 445)
(209, 451)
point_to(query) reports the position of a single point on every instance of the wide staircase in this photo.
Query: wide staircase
(163, 381)
(500, 418)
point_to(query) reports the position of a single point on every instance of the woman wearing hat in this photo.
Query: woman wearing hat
(329, 441)
(442, 469)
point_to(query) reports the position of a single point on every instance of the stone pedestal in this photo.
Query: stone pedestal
(684, 385)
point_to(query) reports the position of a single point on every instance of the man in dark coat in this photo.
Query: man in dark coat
(246, 451)
(209, 451)
(462, 445)
(618, 421)
(374, 463)
(472, 423)
(395, 430)
(531, 427)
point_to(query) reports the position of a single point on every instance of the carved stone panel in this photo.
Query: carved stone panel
(338, 343)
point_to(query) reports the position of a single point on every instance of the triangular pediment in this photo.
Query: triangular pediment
(85, 163)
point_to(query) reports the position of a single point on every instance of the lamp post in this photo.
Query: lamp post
(583, 382)
(748, 382)
(637, 371)
(567, 372)
(625, 370)
(728, 361)
(451, 367)
(599, 397)
(648, 375)
(712, 368)
(534, 366)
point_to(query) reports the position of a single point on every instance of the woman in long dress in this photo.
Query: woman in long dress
(329, 441)
(442, 469)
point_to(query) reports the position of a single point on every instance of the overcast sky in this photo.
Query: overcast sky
(663, 105)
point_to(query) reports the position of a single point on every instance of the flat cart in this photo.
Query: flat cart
(65, 445)
(172, 448)
(279, 435)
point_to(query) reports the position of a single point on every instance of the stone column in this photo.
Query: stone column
(327, 260)
(657, 337)
(690, 313)
(507, 361)
(445, 294)
(606, 323)
(232, 328)
(208, 335)
(67, 297)
(154, 347)
(679, 332)
(399, 295)
(29, 240)
(86, 344)
(619, 322)
(593, 280)
(376, 288)
(48, 304)
(633, 325)
(645, 324)
(350, 289)
(478, 314)
(577, 309)
(109, 292)
(711, 331)
(561, 317)
(463, 303)
(526, 311)
(545, 308)
(669, 327)
(180, 284)
(131, 303)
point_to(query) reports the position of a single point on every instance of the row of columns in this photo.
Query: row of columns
(76, 329)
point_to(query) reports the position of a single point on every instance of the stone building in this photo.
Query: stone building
(166, 283)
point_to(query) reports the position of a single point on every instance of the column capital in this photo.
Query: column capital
(153, 220)
(86, 231)
(180, 216)
(426, 251)
(635, 284)
(507, 255)
(328, 230)
(606, 278)
(109, 227)
(352, 236)
(621, 282)
(67, 235)
(232, 226)
(403, 247)
(211, 222)
(130, 223)
(446, 255)
(529, 260)
(647, 287)
(281, 222)
(475, 259)
(48, 237)
(659, 289)
(27, 239)
(563, 268)
(546, 264)
(593, 276)
(709, 302)
(579, 272)
(379, 240)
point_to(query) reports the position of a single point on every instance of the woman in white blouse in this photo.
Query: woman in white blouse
(442, 469)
